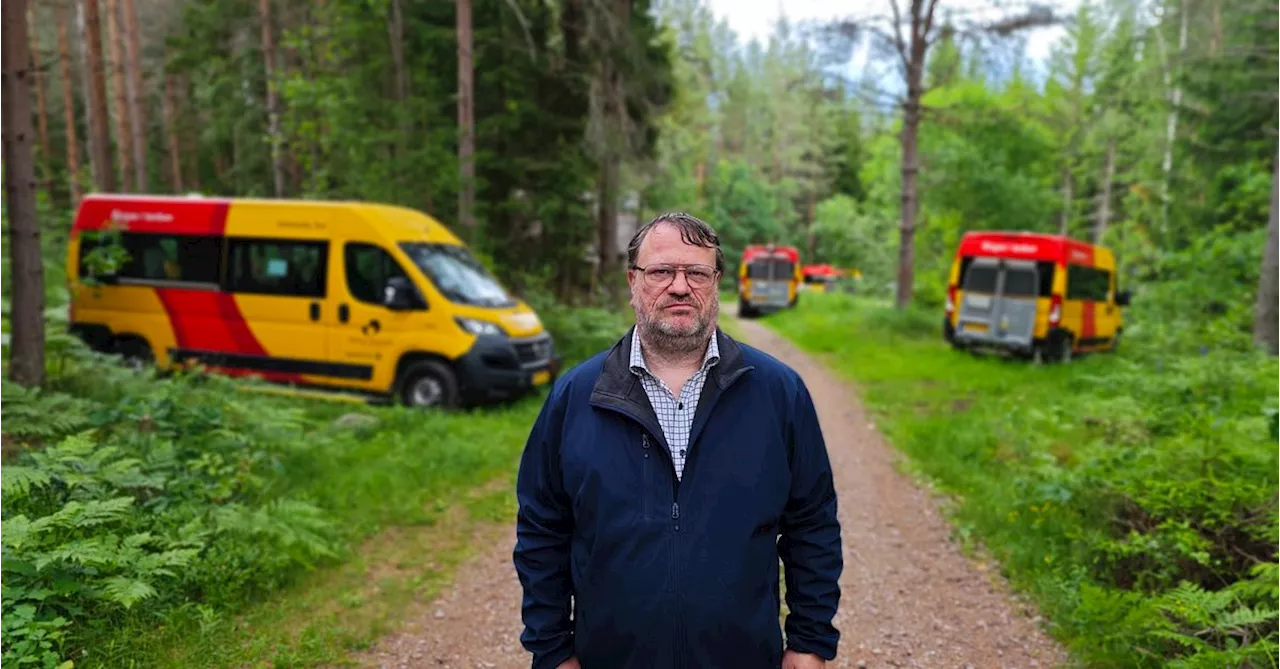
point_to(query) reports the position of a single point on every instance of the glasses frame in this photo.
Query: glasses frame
(678, 269)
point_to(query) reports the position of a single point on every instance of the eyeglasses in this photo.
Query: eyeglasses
(661, 275)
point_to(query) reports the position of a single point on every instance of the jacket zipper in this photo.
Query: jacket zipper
(675, 518)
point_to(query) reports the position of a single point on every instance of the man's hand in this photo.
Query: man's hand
(794, 660)
(572, 663)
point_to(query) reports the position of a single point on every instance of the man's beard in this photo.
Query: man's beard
(669, 339)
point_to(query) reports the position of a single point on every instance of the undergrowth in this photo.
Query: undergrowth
(141, 511)
(1134, 495)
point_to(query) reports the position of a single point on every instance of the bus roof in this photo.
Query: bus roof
(753, 250)
(1027, 246)
(198, 215)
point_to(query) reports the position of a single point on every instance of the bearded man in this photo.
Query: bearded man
(663, 481)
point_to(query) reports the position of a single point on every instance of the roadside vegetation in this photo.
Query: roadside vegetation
(196, 520)
(1133, 495)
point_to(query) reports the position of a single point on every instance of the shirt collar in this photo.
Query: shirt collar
(638, 366)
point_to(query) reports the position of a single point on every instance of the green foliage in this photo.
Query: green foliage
(132, 498)
(1134, 495)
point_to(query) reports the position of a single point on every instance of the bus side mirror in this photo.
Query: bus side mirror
(400, 295)
(1123, 297)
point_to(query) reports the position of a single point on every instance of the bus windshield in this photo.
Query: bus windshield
(458, 275)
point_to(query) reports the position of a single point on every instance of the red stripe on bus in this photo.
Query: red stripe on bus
(1087, 328)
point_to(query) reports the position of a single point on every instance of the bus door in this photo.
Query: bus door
(1000, 301)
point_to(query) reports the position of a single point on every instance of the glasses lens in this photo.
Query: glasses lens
(660, 276)
(698, 277)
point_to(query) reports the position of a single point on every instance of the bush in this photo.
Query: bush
(153, 493)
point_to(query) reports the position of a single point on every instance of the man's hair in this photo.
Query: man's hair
(692, 231)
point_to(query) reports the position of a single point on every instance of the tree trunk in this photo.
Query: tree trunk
(95, 83)
(273, 98)
(137, 94)
(910, 199)
(42, 109)
(607, 223)
(1104, 207)
(913, 56)
(26, 346)
(1265, 316)
(1215, 39)
(124, 133)
(397, 52)
(169, 110)
(68, 103)
(1171, 126)
(811, 240)
(1068, 197)
(466, 124)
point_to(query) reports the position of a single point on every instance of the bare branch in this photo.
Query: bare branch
(928, 19)
(1035, 17)
(897, 36)
(524, 24)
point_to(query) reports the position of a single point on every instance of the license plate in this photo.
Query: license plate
(976, 327)
(542, 377)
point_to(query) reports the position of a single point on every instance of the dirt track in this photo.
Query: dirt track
(910, 599)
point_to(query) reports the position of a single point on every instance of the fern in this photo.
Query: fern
(18, 480)
(14, 531)
(31, 415)
(126, 591)
(80, 515)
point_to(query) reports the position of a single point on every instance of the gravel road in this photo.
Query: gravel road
(910, 598)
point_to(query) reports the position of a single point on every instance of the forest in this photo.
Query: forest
(532, 128)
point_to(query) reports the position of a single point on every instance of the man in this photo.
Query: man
(657, 481)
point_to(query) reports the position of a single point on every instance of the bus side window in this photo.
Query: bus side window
(1088, 283)
(278, 267)
(368, 269)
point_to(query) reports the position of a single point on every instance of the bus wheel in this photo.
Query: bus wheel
(135, 352)
(1060, 347)
(428, 383)
(744, 309)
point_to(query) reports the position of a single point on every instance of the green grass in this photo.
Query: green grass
(410, 493)
(1133, 495)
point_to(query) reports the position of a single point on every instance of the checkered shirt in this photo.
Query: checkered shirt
(675, 413)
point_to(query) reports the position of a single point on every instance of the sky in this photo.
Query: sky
(755, 18)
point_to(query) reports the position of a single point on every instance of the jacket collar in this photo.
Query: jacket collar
(618, 389)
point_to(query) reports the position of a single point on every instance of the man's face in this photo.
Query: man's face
(678, 317)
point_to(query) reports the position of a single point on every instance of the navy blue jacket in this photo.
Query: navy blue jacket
(623, 565)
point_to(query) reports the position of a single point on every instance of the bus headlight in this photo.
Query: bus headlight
(479, 327)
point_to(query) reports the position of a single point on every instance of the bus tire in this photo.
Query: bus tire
(745, 310)
(135, 352)
(428, 384)
(1060, 347)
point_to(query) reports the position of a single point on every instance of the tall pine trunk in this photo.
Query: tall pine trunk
(42, 109)
(1265, 314)
(137, 94)
(1171, 125)
(68, 103)
(273, 98)
(26, 346)
(466, 123)
(912, 52)
(1068, 196)
(1104, 206)
(104, 177)
(910, 197)
(169, 111)
(124, 133)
